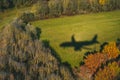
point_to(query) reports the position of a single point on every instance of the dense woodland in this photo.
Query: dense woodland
(45, 9)
(55, 8)
(24, 57)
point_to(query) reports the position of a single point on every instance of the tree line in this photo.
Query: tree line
(44, 9)
(62, 7)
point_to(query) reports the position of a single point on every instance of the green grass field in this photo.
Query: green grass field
(84, 27)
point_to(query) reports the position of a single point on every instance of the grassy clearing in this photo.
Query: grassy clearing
(106, 25)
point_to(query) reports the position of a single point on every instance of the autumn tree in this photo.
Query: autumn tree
(102, 2)
(110, 72)
(111, 50)
(94, 61)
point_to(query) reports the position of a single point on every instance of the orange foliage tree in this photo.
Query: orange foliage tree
(94, 61)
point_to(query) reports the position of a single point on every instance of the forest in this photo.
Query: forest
(62, 7)
(59, 40)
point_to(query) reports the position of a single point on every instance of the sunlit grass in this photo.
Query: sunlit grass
(106, 25)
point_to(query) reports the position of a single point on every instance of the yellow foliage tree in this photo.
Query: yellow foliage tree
(34, 8)
(111, 50)
(110, 72)
(102, 2)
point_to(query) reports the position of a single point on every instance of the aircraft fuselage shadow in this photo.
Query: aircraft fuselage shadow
(78, 45)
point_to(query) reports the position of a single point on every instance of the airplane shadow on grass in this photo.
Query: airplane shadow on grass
(79, 45)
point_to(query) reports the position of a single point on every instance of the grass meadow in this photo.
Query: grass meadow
(105, 25)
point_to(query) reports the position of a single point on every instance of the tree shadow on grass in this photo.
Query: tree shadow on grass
(79, 45)
(38, 30)
(36, 34)
(118, 46)
(103, 45)
(55, 54)
(118, 43)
